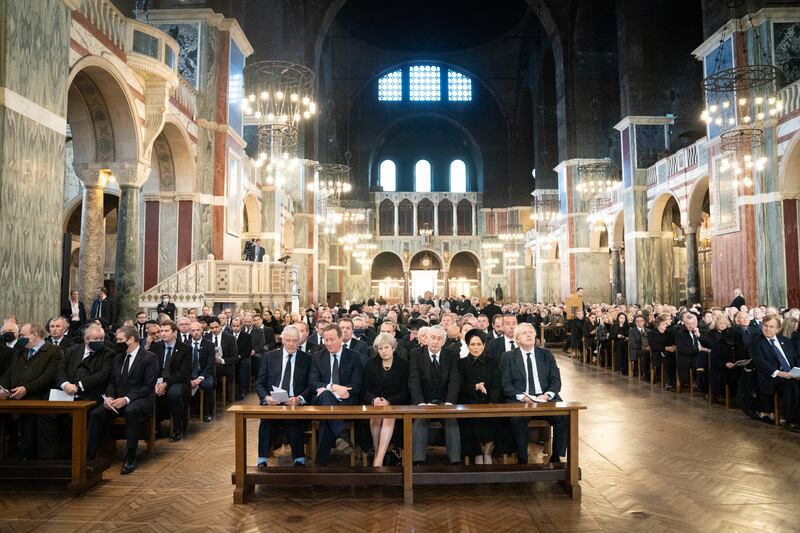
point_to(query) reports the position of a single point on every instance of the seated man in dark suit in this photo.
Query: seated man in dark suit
(304, 344)
(640, 347)
(774, 356)
(530, 374)
(360, 347)
(203, 362)
(58, 333)
(506, 342)
(86, 368)
(268, 332)
(226, 351)
(8, 343)
(691, 352)
(244, 345)
(175, 366)
(257, 340)
(30, 376)
(130, 394)
(434, 379)
(336, 378)
(289, 369)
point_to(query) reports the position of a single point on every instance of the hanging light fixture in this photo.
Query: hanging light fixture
(596, 186)
(546, 210)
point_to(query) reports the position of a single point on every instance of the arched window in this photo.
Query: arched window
(425, 213)
(390, 87)
(386, 217)
(424, 84)
(422, 176)
(459, 87)
(388, 176)
(464, 214)
(458, 176)
(405, 218)
(445, 217)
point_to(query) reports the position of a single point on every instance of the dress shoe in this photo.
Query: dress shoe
(206, 419)
(343, 445)
(128, 467)
(792, 426)
(176, 436)
(261, 467)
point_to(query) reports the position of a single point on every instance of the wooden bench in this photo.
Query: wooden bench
(245, 478)
(82, 474)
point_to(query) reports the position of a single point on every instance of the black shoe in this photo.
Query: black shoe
(128, 467)
(792, 426)
(261, 467)
(176, 436)
(298, 463)
(207, 418)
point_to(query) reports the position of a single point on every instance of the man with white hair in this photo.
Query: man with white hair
(58, 329)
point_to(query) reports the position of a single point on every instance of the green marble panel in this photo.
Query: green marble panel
(770, 254)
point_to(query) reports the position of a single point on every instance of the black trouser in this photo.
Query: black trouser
(519, 428)
(329, 430)
(207, 386)
(175, 399)
(669, 369)
(294, 434)
(39, 436)
(622, 356)
(719, 377)
(790, 398)
(684, 364)
(242, 375)
(134, 413)
(644, 364)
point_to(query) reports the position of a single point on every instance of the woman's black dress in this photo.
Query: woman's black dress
(475, 432)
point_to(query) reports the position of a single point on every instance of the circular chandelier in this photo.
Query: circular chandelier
(278, 169)
(331, 180)
(596, 185)
(546, 210)
(279, 97)
(512, 234)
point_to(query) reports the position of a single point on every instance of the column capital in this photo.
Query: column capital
(130, 174)
(643, 120)
(616, 248)
(92, 174)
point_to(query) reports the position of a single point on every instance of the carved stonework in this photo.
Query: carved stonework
(239, 280)
(222, 279)
(166, 168)
(131, 174)
(101, 119)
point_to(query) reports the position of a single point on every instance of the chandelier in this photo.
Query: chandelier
(597, 222)
(546, 210)
(277, 170)
(596, 185)
(279, 98)
(331, 180)
(512, 234)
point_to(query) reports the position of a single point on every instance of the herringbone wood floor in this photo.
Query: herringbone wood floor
(652, 461)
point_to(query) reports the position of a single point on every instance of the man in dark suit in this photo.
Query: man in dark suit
(319, 326)
(738, 299)
(640, 347)
(103, 307)
(74, 311)
(175, 366)
(361, 331)
(30, 376)
(288, 369)
(184, 330)
(336, 378)
(774, 356)
(690, 349)
(388, 326)
(166, 307)
(434, 379)
(360, 347)
(491, 309)
(58, 333)
(141, 324)
(244, 344)
(755, 323)
(743, 335)
(203, 362)
(8, 342)
(305, 345)
(257, 340)
(266, 331)
(130, 394)
(86, 368)
(226, 351)
(506, 342)
(530, 374)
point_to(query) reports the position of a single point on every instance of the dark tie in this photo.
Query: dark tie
(335, 371)
(781, 357)
(694, 342)
(124, 373)
(513, 347)
(31, 353)
(216, 341)
(531, 383)
(196, 358)
(437, 373)
(287, 373)
(167, 354)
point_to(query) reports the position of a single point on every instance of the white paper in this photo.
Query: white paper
(795, 372)
(107, 403)
(535, 398)
(195, 389)
(58, 395)
(159, 381)
(279, 395)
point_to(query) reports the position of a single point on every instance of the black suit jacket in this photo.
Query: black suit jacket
(491, 310)
(766, 361)
(228, 347)
(105, 308)
(168, 309)
(361, 348)
(5, 357)
(244, 345)
(392, 385)
(311, 348)
(66, 342)
(497, 348)
(257, 339)
(91, 373)
(140, 381)
(421, 383)
(207, 359)
(350, 371)
(66, 311)
(269, 337)
(37, 375)
(270, 374)
(513, 373)
(179, 364)
(685, 345)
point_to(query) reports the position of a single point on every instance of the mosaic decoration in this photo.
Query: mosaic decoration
(188, 39)
(787, 49)
(101, 120)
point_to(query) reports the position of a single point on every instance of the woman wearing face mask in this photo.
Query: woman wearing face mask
(480, 383)
(166, 307)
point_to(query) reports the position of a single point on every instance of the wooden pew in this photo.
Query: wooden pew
(245, 478)
(82, 474)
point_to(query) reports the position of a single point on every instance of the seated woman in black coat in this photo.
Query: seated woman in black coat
(385, 382)
(480, 383)
(619, 334)
(662, 347)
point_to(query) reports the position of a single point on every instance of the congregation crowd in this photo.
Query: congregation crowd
(432, 351)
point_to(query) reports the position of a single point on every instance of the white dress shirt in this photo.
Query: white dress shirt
(537, 386)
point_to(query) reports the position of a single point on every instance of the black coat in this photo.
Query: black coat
(270, 374)
(361, 348)
(496, 348)
(36, 374)
(91, 373)
(423, 386)
(513, 373)
(206, 360)
(105, 309)
(140, 381)
(490, 310)
(179, 365)
(766, 361)
(244, 344)
(66, 342)
(476, 370)
(350, 371)
(168, 309)
(256, 339)
(392, 384)
(228, 347)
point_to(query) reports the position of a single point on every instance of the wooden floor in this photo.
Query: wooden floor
(651, 461)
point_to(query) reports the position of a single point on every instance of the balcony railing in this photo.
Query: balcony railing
(681, 161)
(790, 96)
(107, 18)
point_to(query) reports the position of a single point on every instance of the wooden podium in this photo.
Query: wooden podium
(572, 304)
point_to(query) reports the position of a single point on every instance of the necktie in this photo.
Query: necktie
(55, 342)
(694, 342)
(31, 353)
(167, 354)
(287, 373)
(335, 371)
(531, 383)
(196, 358)
(513, 346)
(125, 363)
(216, 341)
(436, 369)
(781, 357)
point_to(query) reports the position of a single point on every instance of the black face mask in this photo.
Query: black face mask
(8, 336)
(358, 332)
(97, 346)
(22, 342)
(122, 347)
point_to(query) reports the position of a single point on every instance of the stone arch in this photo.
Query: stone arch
(656, 214)
(462, 254)
(388, 263)
(599, 238)
(789, 170)
(617, 230)
(695, 203)
(183, 155)
(251, 217)
(416, 260)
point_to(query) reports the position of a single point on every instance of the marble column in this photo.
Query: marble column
(92, 251)
(436, 220)
(455, 218)
(616, 273)
(127, 272)
(415, 229)
(406, 287)
(446, 279)
(692, 271)
(396, 222)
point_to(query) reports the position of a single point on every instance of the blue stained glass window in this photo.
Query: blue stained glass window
(424, 83)
(390, 87)
(459, 87)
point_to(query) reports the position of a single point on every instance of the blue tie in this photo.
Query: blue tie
(781, 357)
(167, 353)
(31, 353)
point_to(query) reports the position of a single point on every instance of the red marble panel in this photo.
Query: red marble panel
(184, 233)
(151, 223)
(790, 237)
(734, 261)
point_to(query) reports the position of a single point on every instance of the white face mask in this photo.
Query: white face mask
(165, 300)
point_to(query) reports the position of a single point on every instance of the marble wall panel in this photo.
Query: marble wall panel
(168, 239)
(770, 254)
(592, 272)
(650, 141)
(187, 36)
(548, 283)
(202, 222)
(791, 216)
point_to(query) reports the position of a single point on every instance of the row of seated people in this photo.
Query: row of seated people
(750, 356)
(430, 374)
